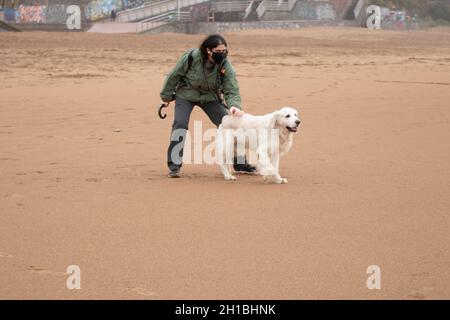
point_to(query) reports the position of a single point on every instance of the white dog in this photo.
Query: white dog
(273, 133)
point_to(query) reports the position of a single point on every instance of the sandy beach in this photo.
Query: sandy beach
(83, 170)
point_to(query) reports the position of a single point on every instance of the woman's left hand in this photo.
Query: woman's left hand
(236, 112)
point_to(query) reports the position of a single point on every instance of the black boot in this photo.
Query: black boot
(174, 173)
(240, 165)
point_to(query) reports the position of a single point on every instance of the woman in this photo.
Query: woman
(201, 78)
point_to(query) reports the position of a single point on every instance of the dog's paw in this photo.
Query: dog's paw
(274, 179)
(230, 178)
(279, 180)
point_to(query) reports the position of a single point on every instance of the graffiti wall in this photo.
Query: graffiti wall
(392, 19)
(325, 11)
(130, 4)
(99, 9)
(53, 14)
(318, 9)
(10, 15)
(31, 14)
(56, 14)
(398, 19)
(49, 12)
(305, 10)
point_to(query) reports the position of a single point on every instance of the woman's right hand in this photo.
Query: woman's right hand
(165, 103)
(236, 112)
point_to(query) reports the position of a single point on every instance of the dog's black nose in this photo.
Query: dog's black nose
(297, 122)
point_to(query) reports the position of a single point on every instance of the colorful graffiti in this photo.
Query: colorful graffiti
(391, 19)
(53, 14)
(31, 14)
(130, 4)
(398, 19)
(57, 14)
(10, 15)
(99, 9)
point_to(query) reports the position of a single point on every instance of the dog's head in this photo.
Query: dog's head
(286, 119)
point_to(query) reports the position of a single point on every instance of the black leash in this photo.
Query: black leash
(160, 114)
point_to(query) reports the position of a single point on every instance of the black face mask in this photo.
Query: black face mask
(218, 57)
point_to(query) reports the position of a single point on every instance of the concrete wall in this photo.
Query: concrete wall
(313, 10)
(238, 26)
(183, 27)
(219, 27)
(52, 14)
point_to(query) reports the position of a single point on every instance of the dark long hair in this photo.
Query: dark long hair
(211, 42)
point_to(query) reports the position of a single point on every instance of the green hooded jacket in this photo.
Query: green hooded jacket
(191, 85)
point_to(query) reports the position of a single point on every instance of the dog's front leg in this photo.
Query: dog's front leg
(223, 149)
(227, 172)
(275, 160)
(267, 170)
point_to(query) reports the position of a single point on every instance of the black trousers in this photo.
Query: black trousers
(183, 108)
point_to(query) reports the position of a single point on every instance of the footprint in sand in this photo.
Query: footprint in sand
(422, 293)
(416, 295)
(43, 271)
(327, 184)
(141, 291)
(5, 255)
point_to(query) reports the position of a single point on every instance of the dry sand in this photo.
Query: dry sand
(83, 174)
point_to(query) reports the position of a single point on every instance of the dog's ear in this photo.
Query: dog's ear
(275, 116)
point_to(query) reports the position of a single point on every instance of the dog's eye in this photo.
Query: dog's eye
(288, 116)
